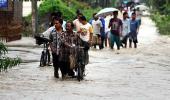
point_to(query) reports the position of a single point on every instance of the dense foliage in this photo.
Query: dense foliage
(162, 22)
(161, 14)
(6, 62)
(57, 5)
(162, 6)
(67, 7)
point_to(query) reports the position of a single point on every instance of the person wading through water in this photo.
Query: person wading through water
(86, 34)
(126, 29)
(116, 28)
(56, 38)
(69, 54)
(134, 29)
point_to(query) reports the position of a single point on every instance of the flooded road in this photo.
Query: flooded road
(128, 74)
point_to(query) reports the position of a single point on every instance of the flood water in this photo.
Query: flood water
(128, 74)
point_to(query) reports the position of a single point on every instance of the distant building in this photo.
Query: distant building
(10, 20)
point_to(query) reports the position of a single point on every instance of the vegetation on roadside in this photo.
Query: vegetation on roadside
(162, 22)
(6, 62)
(49, 6)
(160, 14)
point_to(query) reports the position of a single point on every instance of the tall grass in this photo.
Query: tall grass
(162, 22)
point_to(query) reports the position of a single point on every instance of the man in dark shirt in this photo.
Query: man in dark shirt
(68, 56)
(56, 37)
(116, 28)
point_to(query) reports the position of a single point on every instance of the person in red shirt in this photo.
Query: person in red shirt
(116, 28)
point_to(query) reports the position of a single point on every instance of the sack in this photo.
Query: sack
(96, 40)
(99, 41)
(72, 60)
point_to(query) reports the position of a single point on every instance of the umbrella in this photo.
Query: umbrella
(141, 7)
(106, 11)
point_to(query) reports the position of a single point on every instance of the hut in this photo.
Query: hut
(10, 20)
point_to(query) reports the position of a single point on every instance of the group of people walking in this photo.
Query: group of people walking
(63, 40)
(115, 30)
(66, 35)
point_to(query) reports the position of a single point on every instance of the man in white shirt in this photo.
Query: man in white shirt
(126, 29)
(86, 33)
(97, 26)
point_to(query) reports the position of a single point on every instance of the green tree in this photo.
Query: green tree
(162, 6)
(160, 13)
(6, 62)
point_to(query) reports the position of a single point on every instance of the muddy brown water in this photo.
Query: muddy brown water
(128, 74)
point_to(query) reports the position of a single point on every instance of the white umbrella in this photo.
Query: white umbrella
(106, 11)
(141, 7)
